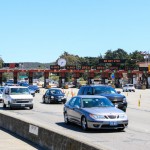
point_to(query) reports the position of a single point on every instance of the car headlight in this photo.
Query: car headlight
(97, 116)
(30, 100)
(52, 97)
(122, 116)
(124, 100)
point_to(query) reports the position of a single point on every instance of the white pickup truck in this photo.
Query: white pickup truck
(17, 97)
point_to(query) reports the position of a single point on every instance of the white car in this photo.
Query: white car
(128, 88)
(17, 97)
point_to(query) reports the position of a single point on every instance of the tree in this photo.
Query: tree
(116, 54)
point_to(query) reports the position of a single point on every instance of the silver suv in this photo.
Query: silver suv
(17, 97)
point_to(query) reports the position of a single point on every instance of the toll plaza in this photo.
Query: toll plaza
(112, 72)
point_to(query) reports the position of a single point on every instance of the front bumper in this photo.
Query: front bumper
(59, 100)
(22, 105)
(107, 124)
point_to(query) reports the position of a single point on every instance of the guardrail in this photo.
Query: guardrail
(47, 139)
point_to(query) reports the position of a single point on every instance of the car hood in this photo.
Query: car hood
(21, 96)
(114, 97)
(103, 110)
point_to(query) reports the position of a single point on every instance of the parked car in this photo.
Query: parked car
(17, 97)
(115, 97)
(34, 88)
(94, 111)
(128, 88)
(54, 96)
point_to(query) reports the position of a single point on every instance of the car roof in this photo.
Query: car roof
(90, 96)
(96, 85)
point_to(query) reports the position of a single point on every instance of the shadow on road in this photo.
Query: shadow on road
(77, 128)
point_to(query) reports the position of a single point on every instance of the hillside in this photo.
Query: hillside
(35, 65)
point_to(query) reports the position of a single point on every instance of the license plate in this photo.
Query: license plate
(22, 104)
(116, 105)
(113, 123)
(59, 100)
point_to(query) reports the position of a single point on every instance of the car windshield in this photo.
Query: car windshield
(104, 90)
(19, 91)
(96, 102)
(56, 92)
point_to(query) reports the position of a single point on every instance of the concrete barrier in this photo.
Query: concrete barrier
(47, 139)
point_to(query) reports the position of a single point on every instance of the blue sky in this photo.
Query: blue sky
(41, 30)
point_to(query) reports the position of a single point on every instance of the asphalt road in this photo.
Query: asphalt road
(135, 137)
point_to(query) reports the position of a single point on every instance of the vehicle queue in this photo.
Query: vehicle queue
(97, 111)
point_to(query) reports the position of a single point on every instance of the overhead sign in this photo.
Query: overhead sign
(85, 67)
(112, 60)
(100, 67)
(113, 68)
(70, 67)
(143, 68)
(53, 67)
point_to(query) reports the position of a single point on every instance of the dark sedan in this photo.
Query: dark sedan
(96, 112)
(54, 96)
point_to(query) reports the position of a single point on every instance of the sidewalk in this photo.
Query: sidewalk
(10, 141)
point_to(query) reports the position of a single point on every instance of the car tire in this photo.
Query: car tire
(31, 107)
(4, 105)
(49, 101)
(120, 129)
(66, 120)
(43, 100)
(64, 102)
(84, 123)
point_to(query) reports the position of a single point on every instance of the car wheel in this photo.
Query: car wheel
(66, 120)
(4, 105)
(31, 107)
(43, 100)
(120, 129)
(64, 102)
(84, 124)
(49, 100)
